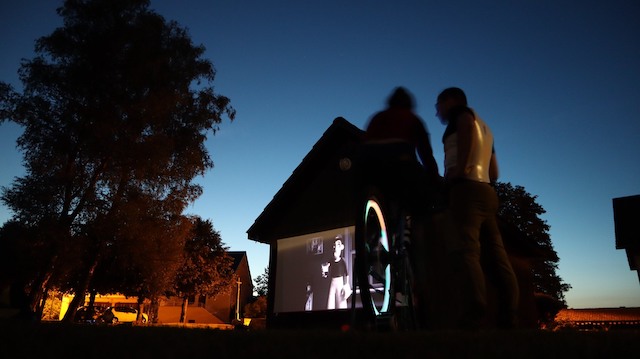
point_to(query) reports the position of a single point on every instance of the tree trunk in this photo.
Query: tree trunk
(92, 299)
(80, 293)
(183, 313)
(153, 310)
(40, 309)
(38, 289)
(73, 306)
(140, 309)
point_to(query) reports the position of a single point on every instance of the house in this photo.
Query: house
(598, 318)
(316, 204)
(626, 214)
(313, 206)
(222, 309)
(229, 307)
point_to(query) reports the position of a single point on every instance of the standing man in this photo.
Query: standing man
(470, 169)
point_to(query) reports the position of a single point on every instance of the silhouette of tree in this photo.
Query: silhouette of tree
(144, 261)
(207, 269)
(17, 264)
(116, 107)
(262, 283)
(7, 98)
(257, 308)
(522, 227)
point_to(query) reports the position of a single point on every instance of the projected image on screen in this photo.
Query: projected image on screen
(314, 272)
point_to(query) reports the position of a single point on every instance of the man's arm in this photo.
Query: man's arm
(493, 168)
(465, 126)
(425, 152)
(428, 161)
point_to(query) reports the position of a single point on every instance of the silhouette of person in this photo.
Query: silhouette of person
(470, 166)
(397, 158)
(392, 139)
(339, 290)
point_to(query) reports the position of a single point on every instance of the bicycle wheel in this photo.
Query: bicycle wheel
(374, 257)
(384, 266)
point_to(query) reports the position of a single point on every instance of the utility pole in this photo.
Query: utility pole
(238, 282)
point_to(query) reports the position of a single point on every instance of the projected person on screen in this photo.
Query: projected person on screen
(339, 291)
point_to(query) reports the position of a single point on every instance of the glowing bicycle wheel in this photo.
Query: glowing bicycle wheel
(377, 258)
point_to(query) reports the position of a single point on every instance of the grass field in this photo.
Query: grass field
(55, 340)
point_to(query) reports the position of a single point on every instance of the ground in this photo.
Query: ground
(30, 340)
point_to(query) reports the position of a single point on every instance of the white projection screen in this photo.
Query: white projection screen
(302, 280)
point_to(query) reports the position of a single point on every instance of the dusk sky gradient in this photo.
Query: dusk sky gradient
(558, 81)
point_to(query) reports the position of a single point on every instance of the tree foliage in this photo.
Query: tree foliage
(257, 308)
(262, 283)
(207, 269)
(116, 108)
(522, 227)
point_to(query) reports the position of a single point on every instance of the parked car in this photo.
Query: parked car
(86, 315)
(122, 314)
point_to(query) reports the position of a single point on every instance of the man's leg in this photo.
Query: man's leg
(467, 218)
(501, 272)
(498, 264)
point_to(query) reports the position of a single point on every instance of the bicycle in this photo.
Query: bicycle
(384, 268)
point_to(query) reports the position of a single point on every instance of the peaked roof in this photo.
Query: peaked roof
(335, 140)
(237, 258)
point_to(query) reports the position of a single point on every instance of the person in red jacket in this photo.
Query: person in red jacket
(399, 152)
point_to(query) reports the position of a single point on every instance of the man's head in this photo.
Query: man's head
(338, 247)
(401, 98)
(447, 99)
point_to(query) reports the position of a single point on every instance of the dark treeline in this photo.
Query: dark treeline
(116, 106)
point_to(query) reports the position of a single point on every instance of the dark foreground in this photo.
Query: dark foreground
(19, 340)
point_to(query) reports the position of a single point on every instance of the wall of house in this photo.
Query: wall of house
(198, 315)
(224, 305)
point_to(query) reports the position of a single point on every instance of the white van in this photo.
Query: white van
(122, 314)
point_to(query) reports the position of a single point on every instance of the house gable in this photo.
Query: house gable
(224, 305)
(318, 194)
